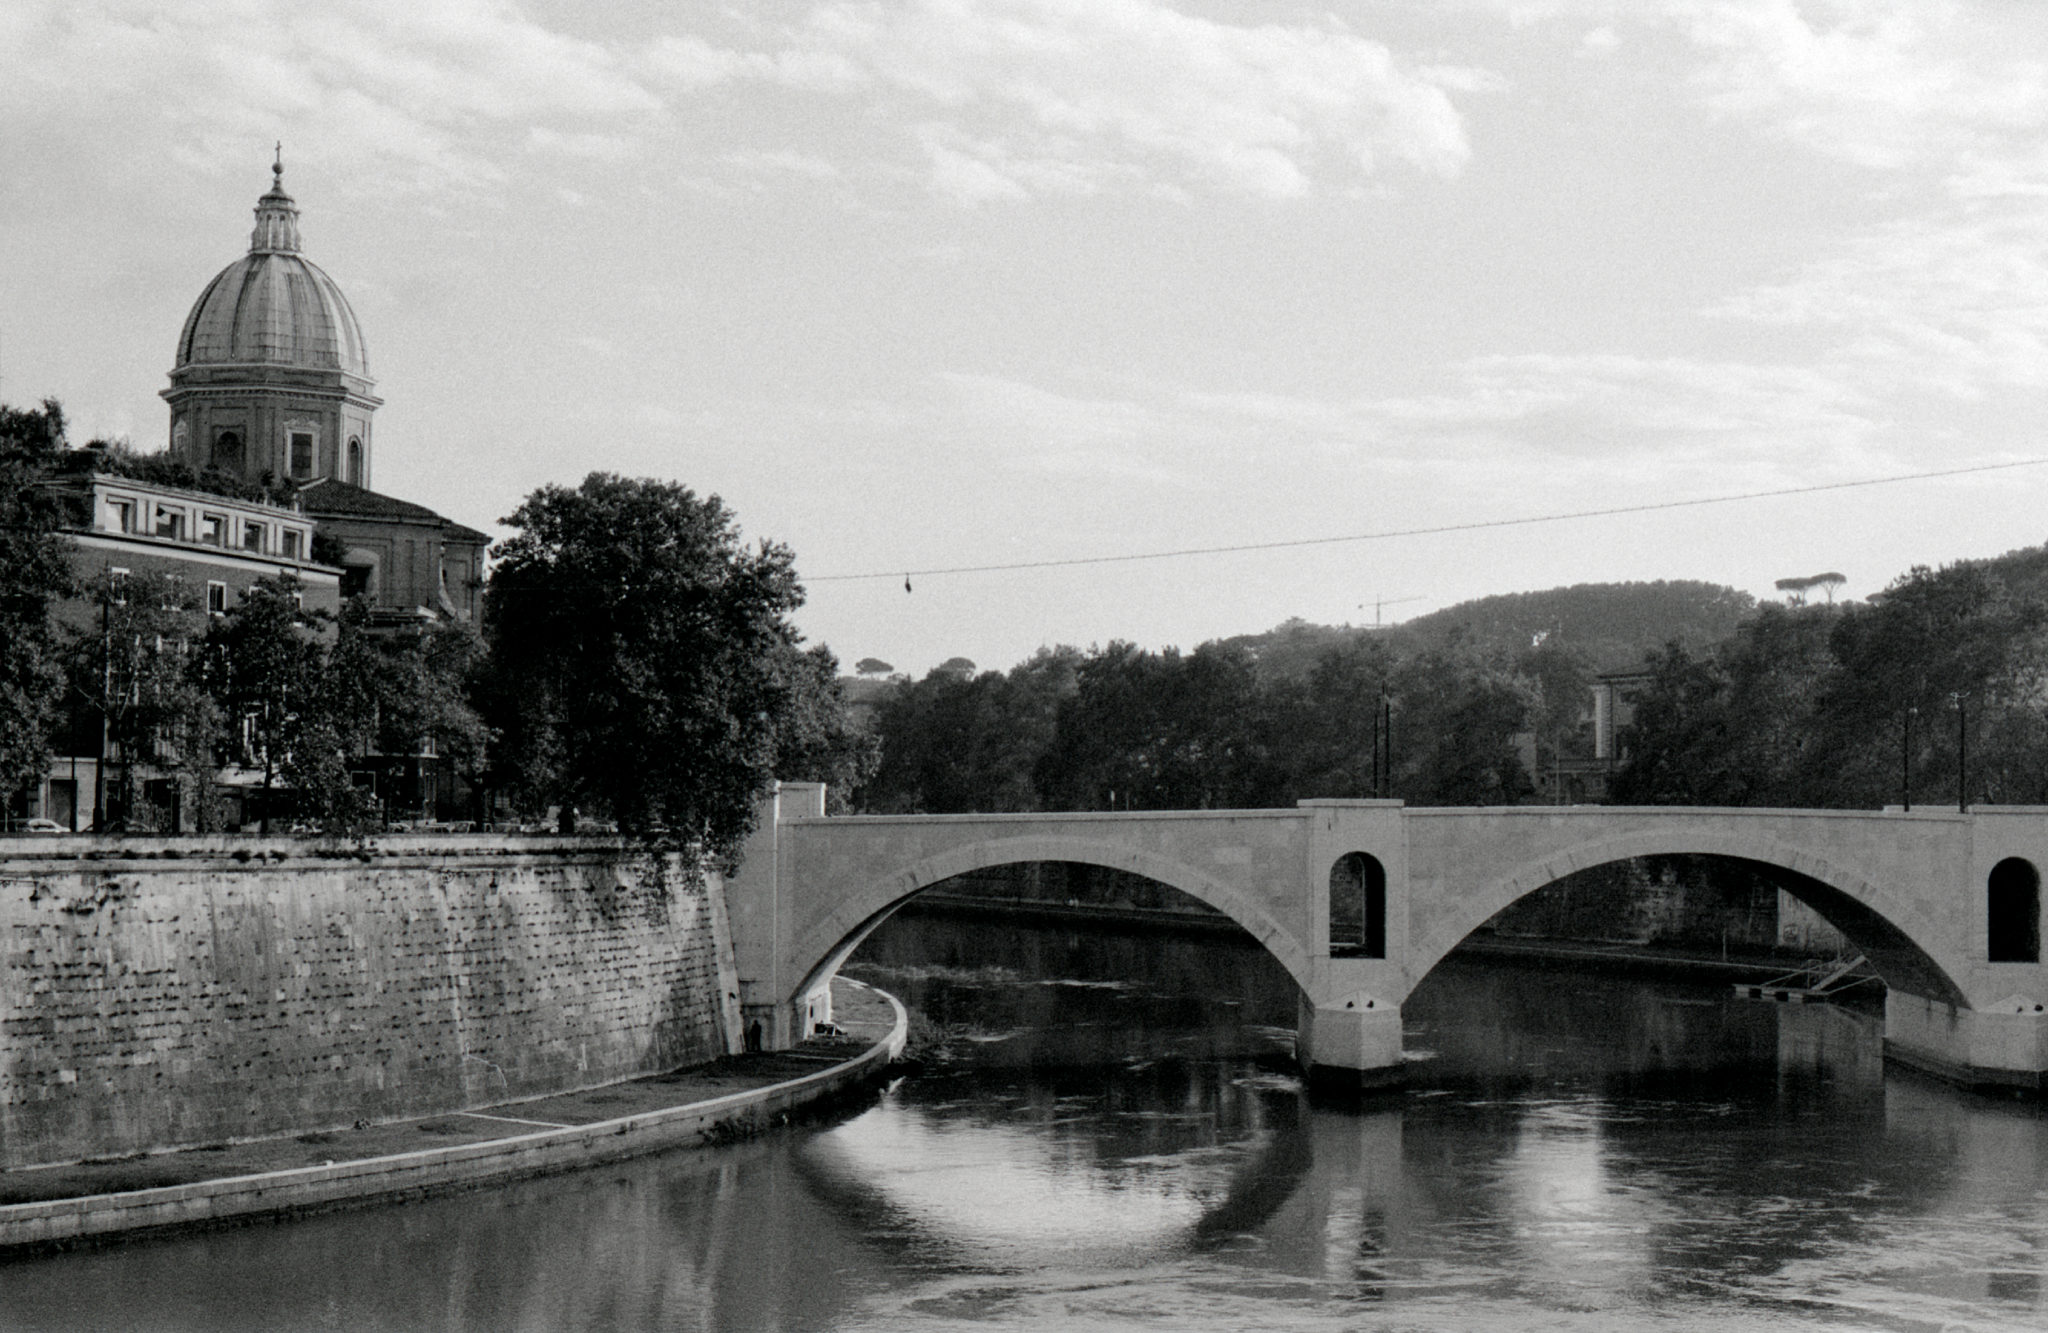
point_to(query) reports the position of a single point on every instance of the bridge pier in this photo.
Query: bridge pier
(1353, 1044)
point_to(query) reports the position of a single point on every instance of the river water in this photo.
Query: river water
(1107, 1138)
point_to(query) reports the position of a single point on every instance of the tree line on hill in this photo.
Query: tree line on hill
(636, 662)
(1936, 688)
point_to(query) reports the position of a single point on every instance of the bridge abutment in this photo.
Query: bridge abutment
(2002, 1045)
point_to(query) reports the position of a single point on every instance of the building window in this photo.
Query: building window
(227, 451)
(120, 516)
(252, 536)
(355, 581)
(355, 462)
(2012, 912)
(302, 453)
(1358, 907)
(291, 539)
(213, 529)
(216, 598)
(170, 522)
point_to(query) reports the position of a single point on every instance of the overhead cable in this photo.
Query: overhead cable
(1393, 533)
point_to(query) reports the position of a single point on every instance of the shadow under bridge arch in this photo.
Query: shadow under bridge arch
(1895, 935)
(833, 939)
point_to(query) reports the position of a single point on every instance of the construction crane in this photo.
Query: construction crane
(1379, 602)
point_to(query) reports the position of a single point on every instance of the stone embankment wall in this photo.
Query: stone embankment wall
(159, 993)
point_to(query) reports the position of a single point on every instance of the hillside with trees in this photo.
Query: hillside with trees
(1610, 625)
(1935, 690)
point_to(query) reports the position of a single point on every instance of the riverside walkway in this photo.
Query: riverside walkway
(89, 1202)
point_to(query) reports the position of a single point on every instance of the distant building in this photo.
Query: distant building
(407, 561)
(215, 545)
(271, 386)
(1584, 779)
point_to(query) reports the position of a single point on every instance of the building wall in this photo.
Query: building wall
(94, 554)
(413, 563)
(192, 990)
(263, 414)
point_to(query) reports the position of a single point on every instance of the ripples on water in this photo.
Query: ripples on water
(1128, 1150)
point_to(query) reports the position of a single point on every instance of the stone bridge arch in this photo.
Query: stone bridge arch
(1895, 933)
(833, 938)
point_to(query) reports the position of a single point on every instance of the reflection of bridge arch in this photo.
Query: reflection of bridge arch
(1882, 924)
(876, 1171)
(834, 938)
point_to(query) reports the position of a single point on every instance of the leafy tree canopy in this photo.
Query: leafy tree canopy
(640, 658)
(34, 570)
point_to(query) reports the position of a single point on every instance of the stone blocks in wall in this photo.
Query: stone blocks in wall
(187, 991)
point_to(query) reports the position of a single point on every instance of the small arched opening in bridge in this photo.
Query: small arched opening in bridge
(2012, 912)
(1358, 907)
(1714, 902)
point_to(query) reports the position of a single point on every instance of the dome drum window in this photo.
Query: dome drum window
(301, 453)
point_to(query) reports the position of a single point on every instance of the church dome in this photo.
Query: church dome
(274, 307)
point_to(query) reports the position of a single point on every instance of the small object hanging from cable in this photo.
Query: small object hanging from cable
(906, 583)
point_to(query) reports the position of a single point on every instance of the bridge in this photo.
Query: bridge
(1359, 900)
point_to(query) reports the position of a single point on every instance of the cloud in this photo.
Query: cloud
(1007, 98)
(1955, 301)
(399, 90)
(1503, 429)
(1882, 83)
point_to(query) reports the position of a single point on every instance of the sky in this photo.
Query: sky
(930, 284)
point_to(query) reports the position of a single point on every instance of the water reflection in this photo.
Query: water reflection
(1113, 1141)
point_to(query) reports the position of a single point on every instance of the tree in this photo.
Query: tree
(264, 665)
(1456, 716)
(817, 739)
(1322, 731)
(34, 571)
(1933, 643)
(872, 666)
(133, 670)
(638, 658)
(956, 743)
(1155, 731)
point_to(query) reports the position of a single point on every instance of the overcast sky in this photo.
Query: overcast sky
(921, 285)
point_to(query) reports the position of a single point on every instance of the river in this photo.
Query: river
(1108, 1138)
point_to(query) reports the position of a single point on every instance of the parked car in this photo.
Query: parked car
(41, 826)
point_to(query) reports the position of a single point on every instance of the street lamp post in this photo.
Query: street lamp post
(1906, 760)
(1962, 754)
